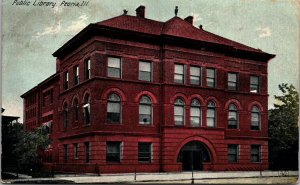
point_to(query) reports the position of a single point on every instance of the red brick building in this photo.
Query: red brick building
(130, 93)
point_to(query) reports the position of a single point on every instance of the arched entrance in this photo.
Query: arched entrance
(192, 155)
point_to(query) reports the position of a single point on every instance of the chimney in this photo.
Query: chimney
(189, 19)
(140, 11)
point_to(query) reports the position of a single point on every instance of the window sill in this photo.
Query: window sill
(210, 127)
(117, 124)
(214, 128)
(255, 130)
(113, 163)
(211, 87)
(232, 90)
(113, 77)
(196, 126)
(233, 129)
(86, 125)
(196, 85)
(179, 125)
(144, 162)
(151, 81)
(145, 125)
(254, 92)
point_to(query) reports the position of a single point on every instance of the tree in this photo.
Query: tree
(28, 146)
(10, 137)
(283, 129)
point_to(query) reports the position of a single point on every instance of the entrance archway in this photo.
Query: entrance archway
(192, 155)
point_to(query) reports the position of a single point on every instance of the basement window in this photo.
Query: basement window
(144, 152)
(233, 153)
(255, 153)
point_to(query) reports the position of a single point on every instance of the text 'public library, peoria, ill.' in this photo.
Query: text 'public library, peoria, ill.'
(134, 94)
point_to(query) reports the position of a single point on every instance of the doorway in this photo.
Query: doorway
(192, 155)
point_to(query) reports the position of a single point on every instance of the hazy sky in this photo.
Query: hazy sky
(31, 34)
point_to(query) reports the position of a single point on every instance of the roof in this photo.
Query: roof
(134, 23)
(175, 27)
(6, 119)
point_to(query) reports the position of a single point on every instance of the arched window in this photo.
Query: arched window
(76, 109)
(211, 114)
(255, 118)
(145, 110)
(232, 117)
(65, 115)
(113, 109)
(87, 110)
(195, 117)
(179, 112)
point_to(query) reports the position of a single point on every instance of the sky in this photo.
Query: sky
(30, 34)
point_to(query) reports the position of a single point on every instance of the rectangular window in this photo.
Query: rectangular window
(66, 80)
(76, 150)
(144, 152)
(87, 69)
(232, 81)
(114, 67)
(145, 71)
(233, 153)
(87, 151)
(255, 153)
(210, 77)
(76, 75)
(179, 74)
(66, 153)
(195, 75)
(254, 84)
(113, 151)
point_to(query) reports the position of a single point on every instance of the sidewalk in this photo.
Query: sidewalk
(162, 177)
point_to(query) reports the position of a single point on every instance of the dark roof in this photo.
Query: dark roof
(133, 23)
(175, 27)
(7, 119)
